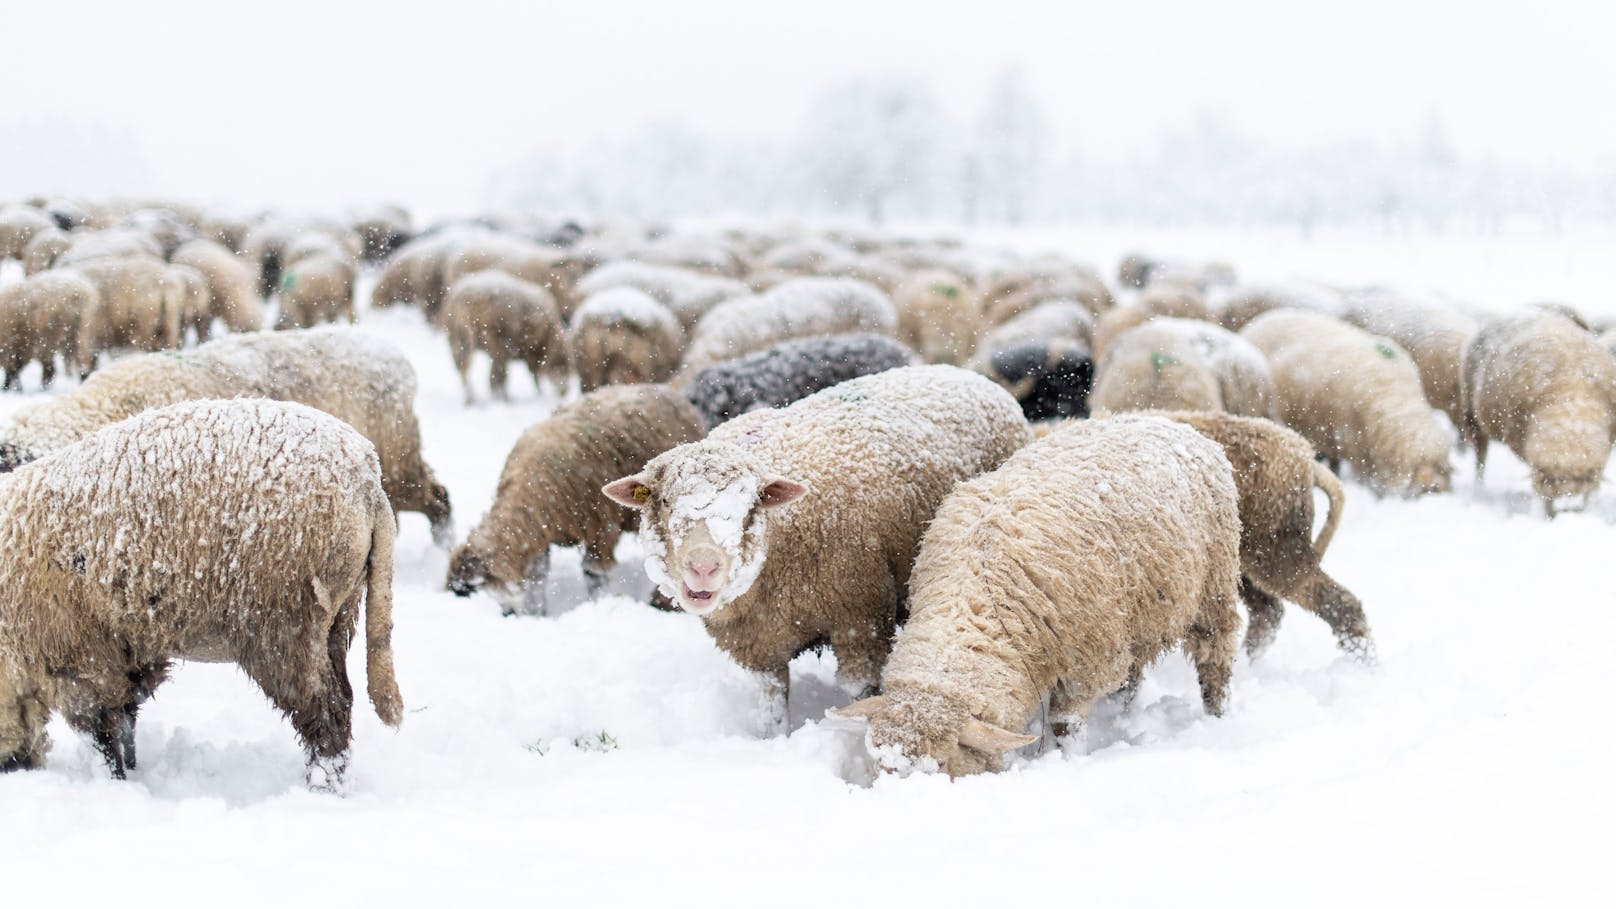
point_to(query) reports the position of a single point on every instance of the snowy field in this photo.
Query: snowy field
(610, 755)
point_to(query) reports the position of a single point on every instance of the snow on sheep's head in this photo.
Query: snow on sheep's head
(917, 730)
(702, 521)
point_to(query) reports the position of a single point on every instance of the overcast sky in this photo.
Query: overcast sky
(319, 104)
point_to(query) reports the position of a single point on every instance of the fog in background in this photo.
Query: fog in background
(1405, 116)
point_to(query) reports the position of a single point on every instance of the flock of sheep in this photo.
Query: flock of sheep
(877, 445)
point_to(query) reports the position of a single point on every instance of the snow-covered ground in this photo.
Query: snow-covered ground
(611, 755)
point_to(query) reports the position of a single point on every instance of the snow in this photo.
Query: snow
(1472, 763)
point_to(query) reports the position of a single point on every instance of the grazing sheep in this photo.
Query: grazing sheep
(363, 381)
(414, 275)
(873, 457)
(1275, 472)
(508, 319)
(688, 294)
(1243, 306)
(44, 249)
(315, 289)
(1017, 291)
(264, 247)
(1049, 379)
(1435, 336)
(139, 546)
(938, 315)
(790, 371)
(136, 305)
(799, 308)
(548, 492)
(381, 230)
(1183, 364)
(113, 243)
(623, 336)
(1356, 397)
(41, 317)
(1063, 573)
(230, 286)
(549, 268)
(18, 225)
(1547, 389)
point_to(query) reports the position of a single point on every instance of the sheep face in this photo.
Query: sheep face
(23, 742)
(916, 729)
(702, 521)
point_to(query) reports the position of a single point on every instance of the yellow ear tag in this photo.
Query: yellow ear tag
(641, 493)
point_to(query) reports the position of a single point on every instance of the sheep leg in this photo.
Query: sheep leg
(1069, 706)
(12, 382)
(460, 351)
(1480, 441)
(538, 571)
(1323, 596)
(859, 657)
(595, 574)
(497, 374)
(1263, 611)
(47, 370)
(106, 729)
(1211, 645)
(772, 708)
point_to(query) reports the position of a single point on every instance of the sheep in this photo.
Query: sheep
(137, 547)
(1049, 379)
(1134, 270)
(1170, 300)
(938, 315)
(1356, 397)
(508, 319)
(41, 317)
(1435, 336)
(1243, 306)
(1063, 573)
(1275, 472)
(1609, 340)
(1049, 320)
(1547, 389)
(623, 336)
(381, 230)
(801, 307)
(114, 243)
(789, 371)
(43, 249)
(359, 379)
(230, 286)
(874, 456)
(18, 225)
(1183, 364)
(264, 247)
(547, 492)
(136, 305)
(317, 288)
(549, 268)
(1015, 294)
(414, 274)
(689, 295)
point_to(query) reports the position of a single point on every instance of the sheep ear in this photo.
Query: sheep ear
(632, 492)
(858, 710)
(780, 492)
(990, 738)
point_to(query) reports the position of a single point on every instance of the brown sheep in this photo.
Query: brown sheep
(623, 336)
(939, 315)
(44, 249)
(132, 549)
(18, 225)
(316, 289)
(231, 297)
(549, 495)
(1547, 389)
(1184, 364)
(1063, 573)
(195, 309)
(508, 319)
(363, 381)
(1357, 397)
(136, 305)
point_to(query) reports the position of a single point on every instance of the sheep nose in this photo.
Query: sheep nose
(703, 569)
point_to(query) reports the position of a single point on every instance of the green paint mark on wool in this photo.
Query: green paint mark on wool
(947, 290)
(1386, 350)
(287, 281)
(1160, 361)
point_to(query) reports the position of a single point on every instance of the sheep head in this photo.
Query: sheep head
(914, 729)
(702, 522)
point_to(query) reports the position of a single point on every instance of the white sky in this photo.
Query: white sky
(317, 104)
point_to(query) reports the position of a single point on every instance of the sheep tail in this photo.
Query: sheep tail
(1326, 481)
(379, 677)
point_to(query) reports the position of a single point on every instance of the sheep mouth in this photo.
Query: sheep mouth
(700, 596)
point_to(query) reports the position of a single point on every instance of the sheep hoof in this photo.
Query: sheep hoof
(443, 536)
(1361, 649)
(328, 774)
